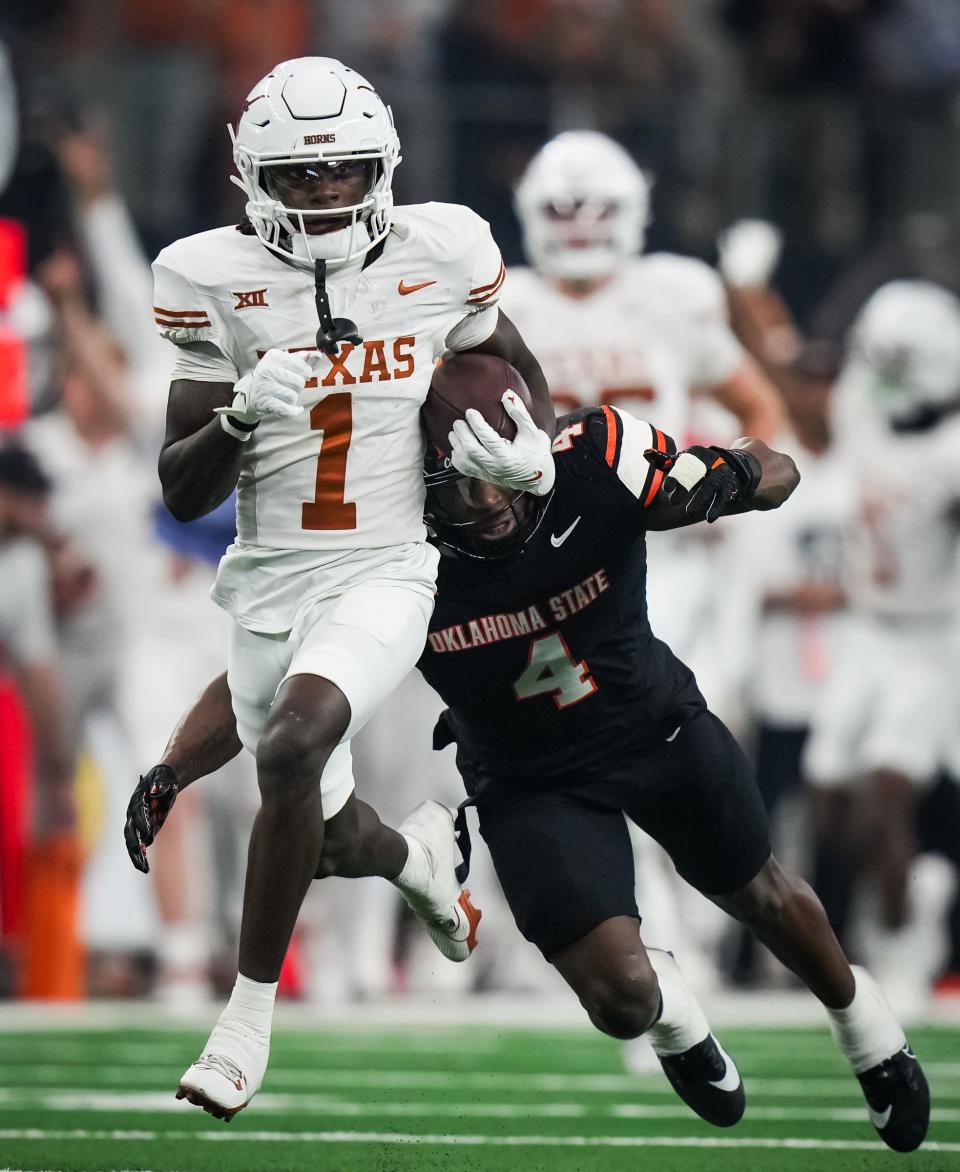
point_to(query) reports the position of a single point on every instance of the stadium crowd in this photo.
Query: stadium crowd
(808, 152)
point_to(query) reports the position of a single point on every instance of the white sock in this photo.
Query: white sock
(682, 1023)
(250, 1006)
(416, 870)
(867, 1031)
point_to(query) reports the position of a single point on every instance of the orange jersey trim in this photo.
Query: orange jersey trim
(498, 277)
(611, 435)
(661, 446)
(181, 319)
(173, 324)
(494, 288)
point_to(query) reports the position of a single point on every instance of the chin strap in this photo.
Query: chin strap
(333, 330)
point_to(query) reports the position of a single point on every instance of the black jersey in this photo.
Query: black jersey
(546, 660)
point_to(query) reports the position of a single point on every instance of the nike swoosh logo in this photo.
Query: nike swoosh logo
(731, 1076)
(403, 289)
(879, 1119)
(556, 542)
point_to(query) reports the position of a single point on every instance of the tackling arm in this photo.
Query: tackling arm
(206, 738)
(203, 742)
(778, 477)
(702, 484)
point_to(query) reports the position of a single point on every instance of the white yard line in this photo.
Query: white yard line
(165, 1102)
(389, 1137)
(65, 1099)
(323, 1079)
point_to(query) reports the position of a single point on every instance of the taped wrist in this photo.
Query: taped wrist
(238, 428)
(238, 420)
(745, 466)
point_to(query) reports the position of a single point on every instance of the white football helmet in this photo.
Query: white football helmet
(583, 204)
(907, 336)
(315, 110)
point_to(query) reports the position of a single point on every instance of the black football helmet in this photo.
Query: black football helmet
(473, 518)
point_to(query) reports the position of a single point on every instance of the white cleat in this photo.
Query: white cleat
(428, 881)
(228, 1073)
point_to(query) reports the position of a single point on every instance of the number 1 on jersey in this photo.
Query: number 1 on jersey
(333, 416)
(552, 670)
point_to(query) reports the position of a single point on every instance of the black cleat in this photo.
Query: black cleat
(707, 1080)
(898, 1100)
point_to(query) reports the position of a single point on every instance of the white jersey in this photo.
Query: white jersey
(323, 491)
(656, 330)
(904, 557)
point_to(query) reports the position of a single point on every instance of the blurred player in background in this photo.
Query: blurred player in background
(797, 594)
(330, 581)
(888, 714)
(647, 332)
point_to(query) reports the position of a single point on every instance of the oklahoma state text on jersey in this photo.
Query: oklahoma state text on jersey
(547, 660)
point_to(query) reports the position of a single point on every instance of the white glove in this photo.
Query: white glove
(271, 390)
(749, 251)
(525, 462)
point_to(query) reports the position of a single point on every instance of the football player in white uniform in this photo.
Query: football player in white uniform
(330, 581)
(887, 713)
(647, 332)
(610, 325)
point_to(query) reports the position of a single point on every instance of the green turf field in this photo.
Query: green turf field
(477, 1099)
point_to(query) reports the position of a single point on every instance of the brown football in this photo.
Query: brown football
(470, 380)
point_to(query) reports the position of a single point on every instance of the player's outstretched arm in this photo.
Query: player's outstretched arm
(703, 484)
(203, 742)
(205, 738)
(505, 342)
(779, 476)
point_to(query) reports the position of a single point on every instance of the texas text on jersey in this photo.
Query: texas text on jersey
(546, 659)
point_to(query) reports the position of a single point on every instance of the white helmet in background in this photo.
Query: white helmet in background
(583, 204)
(315, 110)
(907, 336)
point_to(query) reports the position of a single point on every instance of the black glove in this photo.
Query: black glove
(705, 480)
(149, 806)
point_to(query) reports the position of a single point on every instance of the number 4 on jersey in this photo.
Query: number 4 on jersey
(552, 670)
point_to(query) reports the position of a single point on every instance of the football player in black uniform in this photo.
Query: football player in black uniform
(568, 713)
